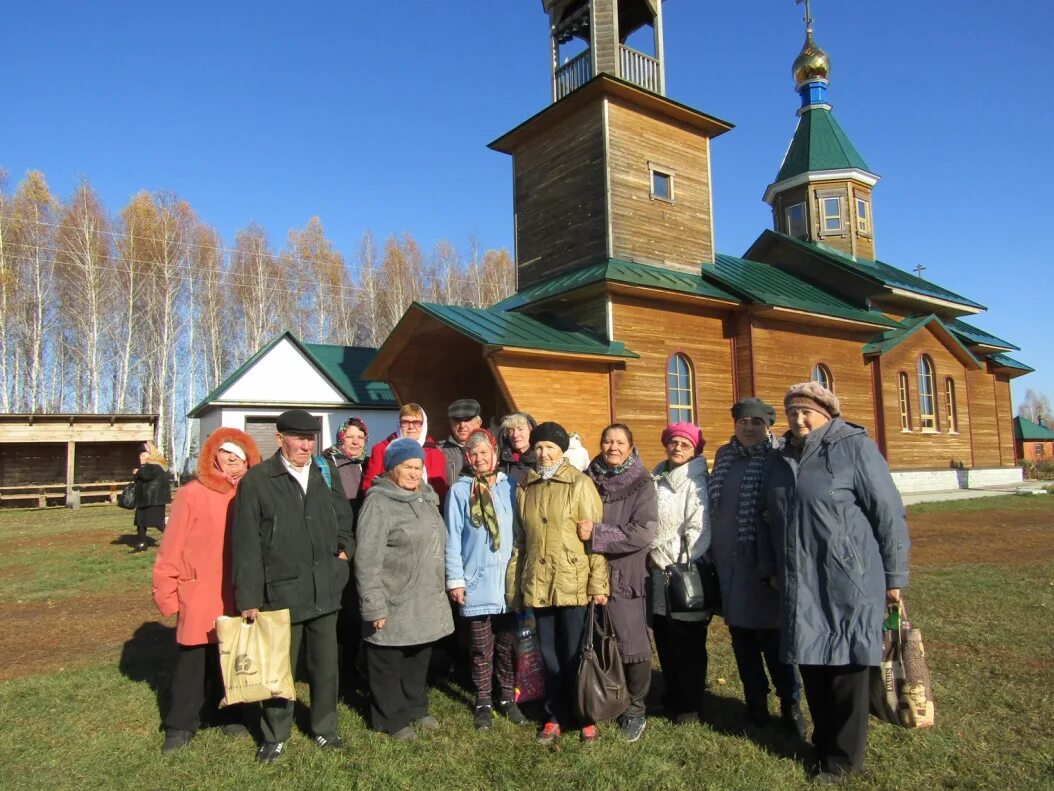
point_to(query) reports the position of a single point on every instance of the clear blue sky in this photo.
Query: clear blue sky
(376, 116)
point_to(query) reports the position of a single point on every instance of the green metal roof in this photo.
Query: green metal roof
(496, 327)
(617, 271)
(878, 271)
(974, 335)
(1025, 429)
(341, 365)
(1004, 361)
(819, 144)
(769, 285)
(908, 327)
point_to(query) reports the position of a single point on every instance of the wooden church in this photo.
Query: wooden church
(626, 312)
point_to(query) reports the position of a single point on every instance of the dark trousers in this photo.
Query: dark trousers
(398, 684)
(320, 638)
(197, 689)
(681, 646)
(754, 650)
(491, 647)
(560, 640)
(638, 682)
(838, 702)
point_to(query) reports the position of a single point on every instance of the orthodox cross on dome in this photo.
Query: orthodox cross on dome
(919, 270)
(807, 19)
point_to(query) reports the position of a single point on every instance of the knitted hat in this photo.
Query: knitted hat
(550, 432)
(813, 395)
(687, 431)
(753, 407)
(400, 450)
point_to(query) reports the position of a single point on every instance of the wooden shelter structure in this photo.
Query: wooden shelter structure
(626, 312)
(46, 457)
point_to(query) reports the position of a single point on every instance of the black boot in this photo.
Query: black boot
(793, 720)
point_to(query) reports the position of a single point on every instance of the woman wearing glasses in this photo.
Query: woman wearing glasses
(413, 423)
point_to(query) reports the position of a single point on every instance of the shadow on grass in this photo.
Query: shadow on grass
(131, 539)
(149, 657)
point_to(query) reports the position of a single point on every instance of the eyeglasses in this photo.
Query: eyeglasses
(411, 423)
(750, 421)
(680, 444)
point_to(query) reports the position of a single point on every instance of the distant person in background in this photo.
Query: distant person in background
(517, 456)
(464, 419)
(192, 580)
(413, 423)
(751, 609)
(683, 534)
(480, 511)
(153, 491)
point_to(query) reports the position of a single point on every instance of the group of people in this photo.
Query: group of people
(806, 533)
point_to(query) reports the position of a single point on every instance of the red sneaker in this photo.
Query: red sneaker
(549, 734)
(590, 733)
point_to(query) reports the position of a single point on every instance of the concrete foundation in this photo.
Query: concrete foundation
(921, 481)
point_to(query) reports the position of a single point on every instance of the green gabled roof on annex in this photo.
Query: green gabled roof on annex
(819, 144)
(878, 271)
(332, 366)
(972, 334)
(1025, 429)
(909, 326)
(495, 327)
(1005, 361)
(769, 285)
(615, 270)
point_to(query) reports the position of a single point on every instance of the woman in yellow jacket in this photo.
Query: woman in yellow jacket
(554, 572)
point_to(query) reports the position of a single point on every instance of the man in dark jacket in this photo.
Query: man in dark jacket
(464, 419)
(291, 542)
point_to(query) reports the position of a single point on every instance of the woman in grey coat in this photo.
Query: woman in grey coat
(837, 548)
(629, 523)
(402, 592)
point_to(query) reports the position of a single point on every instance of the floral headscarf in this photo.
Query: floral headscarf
(337, 451)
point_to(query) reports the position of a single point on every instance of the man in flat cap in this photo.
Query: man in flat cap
(751, 609)
(291, 543)
(464, 419)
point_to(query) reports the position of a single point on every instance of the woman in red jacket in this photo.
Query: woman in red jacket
(192, 580)
(413, 423)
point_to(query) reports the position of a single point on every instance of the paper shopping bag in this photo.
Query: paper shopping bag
(254, 658)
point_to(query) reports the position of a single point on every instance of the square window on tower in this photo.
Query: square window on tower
(796, 222)
(661, 185)
(832, 214)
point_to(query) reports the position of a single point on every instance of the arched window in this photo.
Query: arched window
(821, 374)
(902, 397)
(953, 408)
(680, 386)
(927, 394)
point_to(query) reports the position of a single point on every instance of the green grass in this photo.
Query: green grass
(989, 632)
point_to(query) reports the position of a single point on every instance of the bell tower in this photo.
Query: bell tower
(611, 169)
(822, 192)
(589, 37)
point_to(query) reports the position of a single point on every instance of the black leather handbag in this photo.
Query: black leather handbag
(691, 586)
(126, 499)
(601, 693)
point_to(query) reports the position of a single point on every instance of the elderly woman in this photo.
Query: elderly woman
(192, 580)
(623, 535)
(413, 423)
(517, 457)
(399, 572)
(553, 571)
(751, 610)
(480, 511)
(153, 491)
(349, 456)
(838, 546)
(683, 534)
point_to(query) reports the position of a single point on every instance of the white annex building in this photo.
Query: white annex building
(324, 379)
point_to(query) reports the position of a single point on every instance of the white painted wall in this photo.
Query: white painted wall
(380, 422)
(283, 376)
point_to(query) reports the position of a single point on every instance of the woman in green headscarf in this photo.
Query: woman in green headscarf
(480, 510)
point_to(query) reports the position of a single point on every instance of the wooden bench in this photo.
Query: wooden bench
(110, 490)
(38, 492)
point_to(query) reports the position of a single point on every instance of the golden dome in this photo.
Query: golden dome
(812, 63)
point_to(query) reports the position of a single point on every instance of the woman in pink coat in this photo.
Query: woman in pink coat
(192, 580)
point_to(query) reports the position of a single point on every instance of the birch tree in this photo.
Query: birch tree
(259, 287)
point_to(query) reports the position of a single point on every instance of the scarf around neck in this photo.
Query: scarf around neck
(749, 488)
(600, 469)
(481, 508)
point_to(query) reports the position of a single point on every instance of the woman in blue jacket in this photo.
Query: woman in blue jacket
(480, 510)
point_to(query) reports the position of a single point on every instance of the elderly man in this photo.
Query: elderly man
(291, 542)
(751, 608)
(464, 419)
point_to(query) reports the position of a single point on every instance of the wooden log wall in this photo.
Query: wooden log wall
(918, 449)
(984, 433)
(111, 461)
(1004, 409)
(34, 463)
(559, 189)
(656, 329)
(676, 234)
